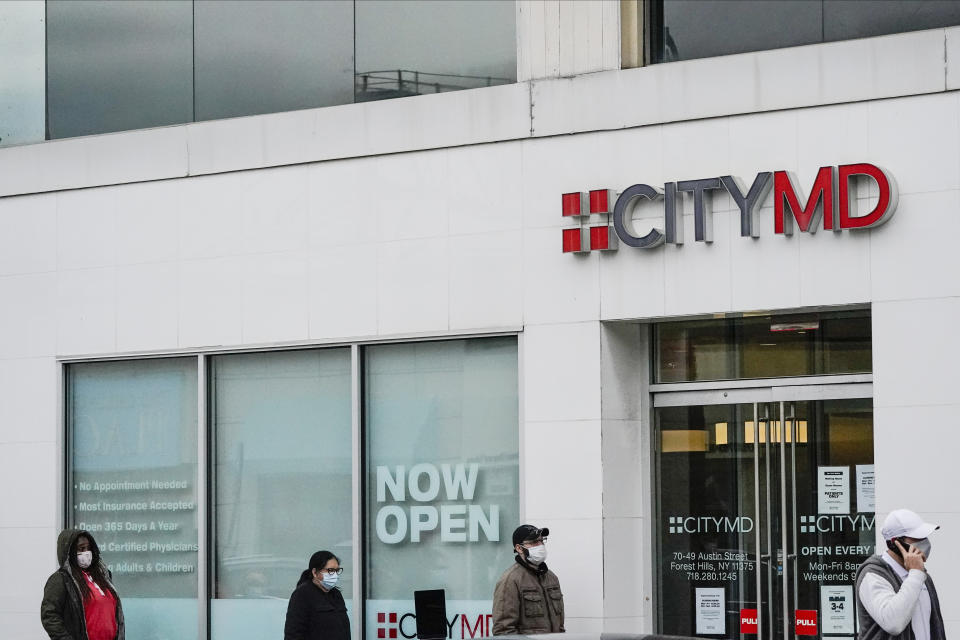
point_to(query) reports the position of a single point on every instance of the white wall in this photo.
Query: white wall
(564, 38)
(466, 238)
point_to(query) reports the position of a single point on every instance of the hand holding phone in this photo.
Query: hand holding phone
(912, 558)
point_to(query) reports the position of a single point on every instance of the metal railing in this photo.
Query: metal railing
(394, 83)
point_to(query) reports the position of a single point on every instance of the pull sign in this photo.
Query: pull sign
(806, 622)
(748, 621)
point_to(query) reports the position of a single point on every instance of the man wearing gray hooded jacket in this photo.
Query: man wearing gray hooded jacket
(896, 597)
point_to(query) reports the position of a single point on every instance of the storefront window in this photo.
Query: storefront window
(441, 428)
(132, 434)
(765, 346)
(282, 481)
(441, 446)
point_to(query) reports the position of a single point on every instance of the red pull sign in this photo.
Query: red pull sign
(806, 622)
(748, 621)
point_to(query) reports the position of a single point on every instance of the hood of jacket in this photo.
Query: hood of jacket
(65, 542)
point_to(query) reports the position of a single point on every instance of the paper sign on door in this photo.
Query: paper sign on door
(866, 494)
(836, 608)
(833, 490)
(711, 611)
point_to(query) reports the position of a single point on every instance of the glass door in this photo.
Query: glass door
(764, 510)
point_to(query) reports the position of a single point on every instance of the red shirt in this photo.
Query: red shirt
(100, 611)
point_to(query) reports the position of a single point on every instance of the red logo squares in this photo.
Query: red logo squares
(600, 201)
(389, 631)
(748, 621)
(806, 622)
(600, 238)
(585, 237)
(572, 240)
(571, 204)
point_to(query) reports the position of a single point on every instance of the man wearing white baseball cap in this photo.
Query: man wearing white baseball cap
(895, 594)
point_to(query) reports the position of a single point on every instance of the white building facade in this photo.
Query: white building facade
(386, 328)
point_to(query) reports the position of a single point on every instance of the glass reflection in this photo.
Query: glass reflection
(282, 481)
(432, 46)
(688, 29)
(118, 65)
(133, 434)
(442, 497)
(257, 57)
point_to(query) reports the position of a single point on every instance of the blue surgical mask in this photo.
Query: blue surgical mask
(330, 580)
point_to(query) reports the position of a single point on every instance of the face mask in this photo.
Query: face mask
(85, 559)
(923, 546)
(538, 554)
(329, 580)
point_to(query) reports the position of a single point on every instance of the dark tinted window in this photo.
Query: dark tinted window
(431, 46)
(688, 29)
(265, 57)
(118, 65)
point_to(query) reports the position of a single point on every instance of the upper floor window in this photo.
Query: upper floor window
(81, 67)
(688, 29)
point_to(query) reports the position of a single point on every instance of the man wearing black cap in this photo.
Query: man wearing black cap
(895, 596)
(527, 598)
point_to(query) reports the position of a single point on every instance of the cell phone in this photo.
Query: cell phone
(891, 544)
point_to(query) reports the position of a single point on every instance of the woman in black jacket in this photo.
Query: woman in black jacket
(316, 610)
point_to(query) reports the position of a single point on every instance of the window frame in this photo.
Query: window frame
(205, 449)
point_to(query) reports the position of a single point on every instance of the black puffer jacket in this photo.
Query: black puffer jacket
(315, 614)
(61, 612)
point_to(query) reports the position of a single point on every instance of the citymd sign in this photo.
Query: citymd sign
(603, 217)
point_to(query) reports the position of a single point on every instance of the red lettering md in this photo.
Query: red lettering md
(819, 203)
(886, 204)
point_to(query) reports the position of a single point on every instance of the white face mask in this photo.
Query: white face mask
(537, 555)
(85, 559)
(326, 580)
(330, 580)
(924, 547)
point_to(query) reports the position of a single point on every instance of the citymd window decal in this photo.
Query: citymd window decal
(442, 480)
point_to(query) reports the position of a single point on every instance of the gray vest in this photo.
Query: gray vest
(869, 629)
